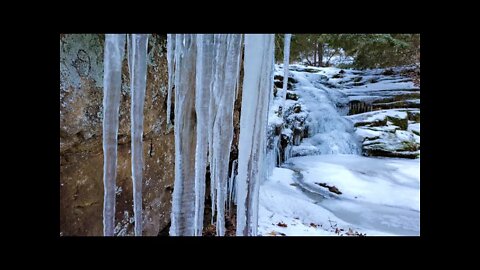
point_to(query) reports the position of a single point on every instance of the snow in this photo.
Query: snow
(380, 196)
(415, 127)
(275, 208)
(138, 77)
(258, 77)
(112, 80)
(384, 86)
(378, 115)
(372, 180)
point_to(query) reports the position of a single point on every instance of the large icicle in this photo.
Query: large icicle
(224, 88)
(138, 77)
(257, 91)
(204, 83)
(286, 57)
(112, 80)
(171, 72)
(183, 205)
(212, 110)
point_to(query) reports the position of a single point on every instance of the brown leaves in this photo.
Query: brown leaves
(332, 189)
(281, 224)
(210, 230)
(354, 233)
(274, 233)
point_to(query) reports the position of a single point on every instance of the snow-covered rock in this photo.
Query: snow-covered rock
(388, 133)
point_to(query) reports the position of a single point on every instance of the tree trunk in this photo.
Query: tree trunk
(315, 56)
(320, 54)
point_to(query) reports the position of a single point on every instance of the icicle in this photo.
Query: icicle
(183, 205)
(226, 73)
(138, 77)
(212, 110)
(257, 91)
(112, 80)
(288, 153)
(204, 82)
(171, 72)
(286, 56)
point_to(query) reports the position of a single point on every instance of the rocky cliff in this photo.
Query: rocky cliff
(81, 153)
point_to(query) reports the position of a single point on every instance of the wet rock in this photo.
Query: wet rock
(414, 116)
(297, 108)
(292, 96)
(399, 122)
(388, 72)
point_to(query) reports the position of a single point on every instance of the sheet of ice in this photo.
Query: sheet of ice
(112, 80)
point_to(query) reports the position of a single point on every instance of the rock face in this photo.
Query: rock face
(81, 153)
(389, 133)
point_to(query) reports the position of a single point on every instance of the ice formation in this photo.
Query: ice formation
(286, 57)
(183, 204)
(137, 66)
(138, 77)
(112, 80)
(257, 90)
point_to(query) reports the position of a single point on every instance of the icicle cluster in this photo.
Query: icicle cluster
(206, 78)
(257, 91)
(274, 149)
(137, 63)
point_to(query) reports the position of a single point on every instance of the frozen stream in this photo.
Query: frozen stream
(364, 214)
(380, 196)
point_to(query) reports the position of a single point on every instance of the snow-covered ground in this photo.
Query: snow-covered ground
(380, 196)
